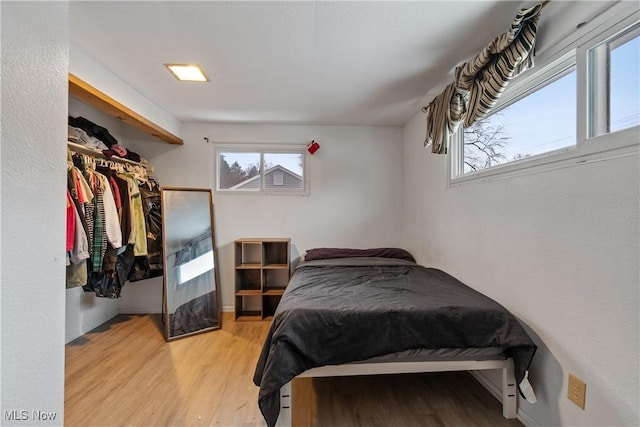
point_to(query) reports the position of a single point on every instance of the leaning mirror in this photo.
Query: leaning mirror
(191, 293)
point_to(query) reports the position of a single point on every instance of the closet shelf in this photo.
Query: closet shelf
(79, 148)
(103, 102)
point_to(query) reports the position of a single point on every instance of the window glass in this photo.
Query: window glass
(284, 170)
(239, 171)
(624, 84)
(543, 121)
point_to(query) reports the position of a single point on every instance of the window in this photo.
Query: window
(543, 121)
(278, 178)
(277, 171)
(614, 85)
(540, 117)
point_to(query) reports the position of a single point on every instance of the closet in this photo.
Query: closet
(114, 223)
(103, 296)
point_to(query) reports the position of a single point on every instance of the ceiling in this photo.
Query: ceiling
(305, 62)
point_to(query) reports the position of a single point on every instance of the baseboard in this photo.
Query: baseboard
(135, 310)
(142, 310)
(496, 391)
(486, 383)
(525, 419)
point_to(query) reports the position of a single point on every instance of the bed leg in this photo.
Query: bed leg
(509, 391)
(284, 419)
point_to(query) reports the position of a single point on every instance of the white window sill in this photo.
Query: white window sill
(620, 144)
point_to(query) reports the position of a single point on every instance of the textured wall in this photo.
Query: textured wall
(34, 93)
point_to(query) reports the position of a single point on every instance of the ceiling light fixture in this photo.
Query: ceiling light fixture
(187, 72)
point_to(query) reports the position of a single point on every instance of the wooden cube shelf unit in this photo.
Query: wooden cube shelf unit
(261, 276)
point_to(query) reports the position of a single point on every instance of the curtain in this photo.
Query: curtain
(480, 82)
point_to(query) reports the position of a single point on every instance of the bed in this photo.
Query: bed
(376, 311)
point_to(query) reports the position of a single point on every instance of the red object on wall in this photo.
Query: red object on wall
(312, 147)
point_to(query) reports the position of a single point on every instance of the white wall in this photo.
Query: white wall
(559, 249)
(34, 91)
(355, 181)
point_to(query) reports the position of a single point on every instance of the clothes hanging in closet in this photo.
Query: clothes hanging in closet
(151, 265)
(108, 227)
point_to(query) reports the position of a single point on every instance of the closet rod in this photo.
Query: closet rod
(78, 148)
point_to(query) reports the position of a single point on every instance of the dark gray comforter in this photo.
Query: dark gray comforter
(344, 310)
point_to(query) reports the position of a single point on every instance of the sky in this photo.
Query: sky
(625, 85)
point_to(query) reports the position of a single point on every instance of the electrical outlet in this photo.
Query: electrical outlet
(577, 390)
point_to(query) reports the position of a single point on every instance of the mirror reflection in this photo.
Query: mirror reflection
(191, 294)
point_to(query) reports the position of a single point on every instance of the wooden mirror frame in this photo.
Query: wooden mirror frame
(207, 307)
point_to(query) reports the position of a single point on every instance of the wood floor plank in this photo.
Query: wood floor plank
(123, 373)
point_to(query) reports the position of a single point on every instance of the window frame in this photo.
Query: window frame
(549, 66)
(598, 64)
(262, 149)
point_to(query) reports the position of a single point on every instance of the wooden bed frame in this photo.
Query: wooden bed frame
(509, 391)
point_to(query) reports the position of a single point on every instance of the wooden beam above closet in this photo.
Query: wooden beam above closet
(100, 100)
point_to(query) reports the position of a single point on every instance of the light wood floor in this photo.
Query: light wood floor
(123, 373)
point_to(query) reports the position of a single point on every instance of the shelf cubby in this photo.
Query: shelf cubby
(262, 269)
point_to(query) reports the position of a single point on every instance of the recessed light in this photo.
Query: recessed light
(187, 72)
